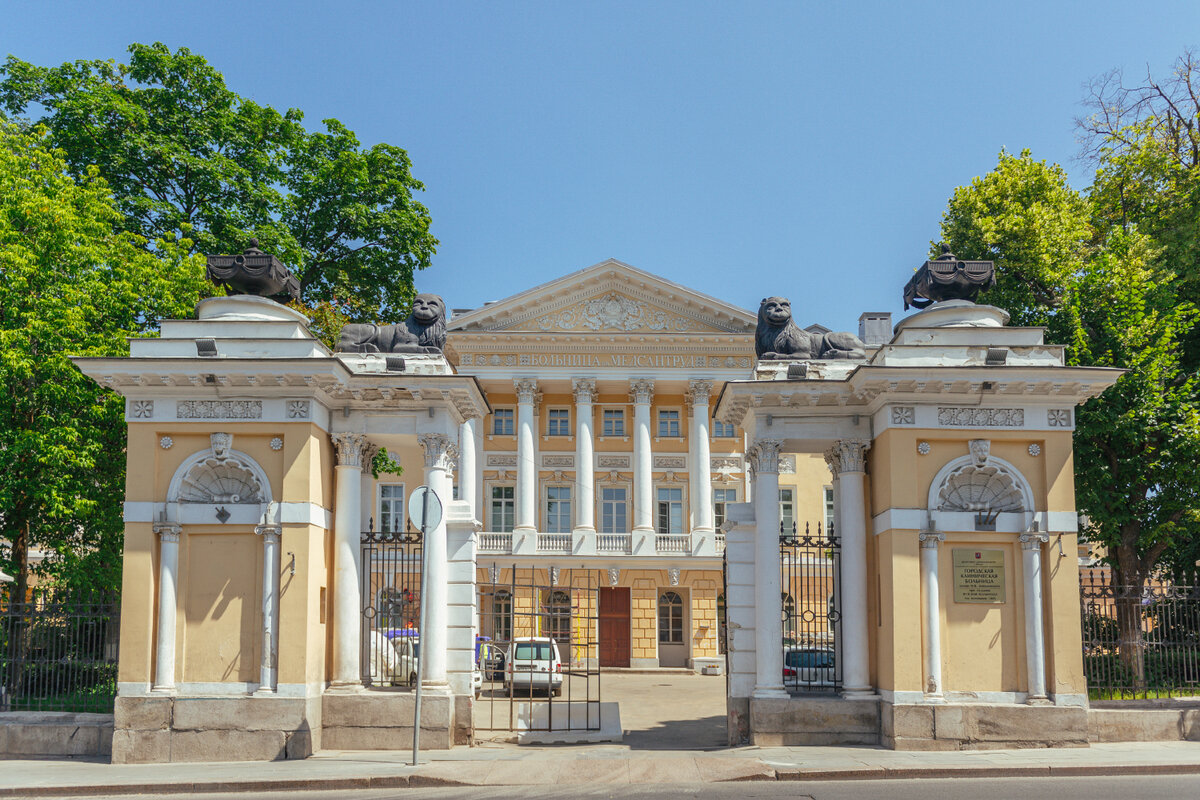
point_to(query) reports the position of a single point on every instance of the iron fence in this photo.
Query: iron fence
(811, 600)
(391, 598)
(58, 651)
(1140, 641)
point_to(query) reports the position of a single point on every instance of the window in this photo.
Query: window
(391, 507)
(558, 509)
(720, 498)
(668, 423)
(558, 422)
(670, 510)
(614, 422)
(557, 616)
(670, 618)
(787, 514)
(613, 510)
(502, 422)
(828, 491)
(723, 430)
(502, 616)
(503, 509)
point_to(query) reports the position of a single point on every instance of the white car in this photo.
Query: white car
(533, 663)
(808, 667)
(393, 662)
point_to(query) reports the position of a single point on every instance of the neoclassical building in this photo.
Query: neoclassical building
(665, 497)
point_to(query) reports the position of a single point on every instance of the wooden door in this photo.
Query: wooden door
(614, 627)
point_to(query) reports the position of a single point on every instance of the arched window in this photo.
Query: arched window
(670, 618)
(502, 607)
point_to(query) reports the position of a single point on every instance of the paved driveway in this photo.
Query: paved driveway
(659, 711)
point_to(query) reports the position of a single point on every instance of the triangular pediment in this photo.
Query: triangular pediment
(609, 297)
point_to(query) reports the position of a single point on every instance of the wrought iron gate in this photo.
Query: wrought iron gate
(538, 650)
(811, 600)
(391, 600)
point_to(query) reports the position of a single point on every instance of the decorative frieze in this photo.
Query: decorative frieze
(904, 415)
(612, 462)
(502, 459)
(787, 465)
(558, 462)
(973, 417)
(1058, 418)
(141, 409)
(299, 409)
(218, 409)
(670, 462)
(725, 465)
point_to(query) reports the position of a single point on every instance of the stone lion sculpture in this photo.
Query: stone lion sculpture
(423, 332)
(777, 337)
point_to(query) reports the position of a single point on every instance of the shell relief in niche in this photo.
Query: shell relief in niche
(987, 488)
(216, 480)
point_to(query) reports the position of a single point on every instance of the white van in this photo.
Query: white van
(533, 663)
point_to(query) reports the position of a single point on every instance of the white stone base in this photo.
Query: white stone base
(566, 723)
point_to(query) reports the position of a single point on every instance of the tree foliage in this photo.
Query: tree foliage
(71, 283)
(179, 148)
(1101, 289)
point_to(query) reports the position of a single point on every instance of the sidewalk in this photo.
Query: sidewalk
(501, 765)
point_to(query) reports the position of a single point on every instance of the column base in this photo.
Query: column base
(584, 529)
(769, 693)
(1040, 700)
(524, 529)
(866, 693)
(436, 688)
(345, 687)
(934, 700)
(643, 529)
(163, 689)
(263, 691)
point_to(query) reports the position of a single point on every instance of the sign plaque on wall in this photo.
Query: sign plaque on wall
(978, 576)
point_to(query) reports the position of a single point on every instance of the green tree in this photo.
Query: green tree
(71, 283)
(178, 147)
(1100, 289)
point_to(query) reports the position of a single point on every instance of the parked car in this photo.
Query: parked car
(532, 663)
(808, 667)
(491, 661)
(394, 662)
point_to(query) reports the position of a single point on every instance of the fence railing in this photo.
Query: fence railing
(391, 614)
(58, 651)
(1140, 641)
(810, 564)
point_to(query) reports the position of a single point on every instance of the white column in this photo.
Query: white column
(268, 670)
(850, 458)
(168, 580)
(526, 511)
(698, 456)
(931, 613)
(440, 458)
(641, 392)
(1035, 639)
(585, 478)
(347, 594)
(466, 467)
(768, 621)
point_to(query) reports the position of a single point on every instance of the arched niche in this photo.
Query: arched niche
(975, 483)
(220, 478)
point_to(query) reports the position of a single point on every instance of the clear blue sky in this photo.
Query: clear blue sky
(743, 149)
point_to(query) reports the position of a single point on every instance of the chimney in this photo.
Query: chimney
(875, 327)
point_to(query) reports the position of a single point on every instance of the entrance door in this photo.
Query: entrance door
(614, 627)
(672, 622)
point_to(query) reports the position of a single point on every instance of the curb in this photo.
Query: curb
(427, 781)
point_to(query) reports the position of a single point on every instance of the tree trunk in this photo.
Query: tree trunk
(1131, 645)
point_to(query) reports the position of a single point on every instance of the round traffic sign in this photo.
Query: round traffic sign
(424, 509)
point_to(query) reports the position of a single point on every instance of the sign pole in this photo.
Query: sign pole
(416, 739)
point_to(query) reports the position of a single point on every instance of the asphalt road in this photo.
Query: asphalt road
(1175, 787)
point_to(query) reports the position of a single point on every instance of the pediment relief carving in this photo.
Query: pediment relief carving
(613, 311)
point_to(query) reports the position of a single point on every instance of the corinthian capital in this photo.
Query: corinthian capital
(439, 451)
(585, 390)
(698, 392)
(527, 391)
(349, 448)
(847, 455)
(641, 391)
(765, 455)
